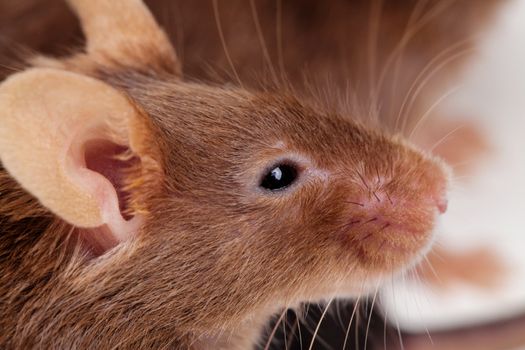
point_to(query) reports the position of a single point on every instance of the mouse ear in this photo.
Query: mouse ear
(60, 135)
(126, 33)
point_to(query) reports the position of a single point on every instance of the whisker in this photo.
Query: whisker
(367, 236)
(357, 325)
(427, 331)
(431, 109)
(389, 199)
(338, 314)
(279, 35)
(363, 180)
(384, 227)
(398, 52)
(350, 322)
(373, 39)
(319, 324)
(262, 42)
(397, 321)
(467, 162)
(274, 330)
(421, 76)
(429, 76)
(370, 316)
(283, 324)
(412, 29)
(384, 328)
(293, 329)
(223, 41)
(371, 220)
(299, 334)
(443, 139)
(418, 279)
(431, 267)
(378, 176)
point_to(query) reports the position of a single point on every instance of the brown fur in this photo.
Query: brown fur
(216, 256)
(258, 262)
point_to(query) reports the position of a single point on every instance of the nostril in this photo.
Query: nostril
(442, 204)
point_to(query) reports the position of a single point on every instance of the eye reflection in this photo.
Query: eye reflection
(280, 177)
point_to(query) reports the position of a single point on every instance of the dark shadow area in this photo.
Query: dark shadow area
(338, 330)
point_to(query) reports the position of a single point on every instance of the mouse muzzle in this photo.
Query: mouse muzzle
(392, 213)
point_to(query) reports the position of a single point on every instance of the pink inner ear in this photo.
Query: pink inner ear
(46, 124)
(101, 166)
(109, 160)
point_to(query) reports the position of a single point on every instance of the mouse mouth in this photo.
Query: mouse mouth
(388, 233)
(384, 246)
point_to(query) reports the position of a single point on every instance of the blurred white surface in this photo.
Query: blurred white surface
(488, 208)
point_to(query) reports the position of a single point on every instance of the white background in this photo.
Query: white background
(488, 209)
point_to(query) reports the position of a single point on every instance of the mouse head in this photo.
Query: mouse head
(204, 205)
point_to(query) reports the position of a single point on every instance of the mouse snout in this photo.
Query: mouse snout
(441, 202)
(398, 198)
(438, 192)
(390, 216)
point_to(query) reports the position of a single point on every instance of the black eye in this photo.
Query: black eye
(280, 177)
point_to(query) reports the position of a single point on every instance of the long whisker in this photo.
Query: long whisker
(294, 328)
(283, 322)
(357, 325)
(418, 278)
(299, 334)
(416, 92)
(279, 35)
(319, 324)
(223, 41)
(445, 54)
(397, 321)
(443, 139)
(431, 109)
(384, 328)
(431, 267)
(412, 29)
(363, 180)
(370, 316)
(467, 162)
(429, 75)
(274, 330)
(350, 322)
(373, 35)
(262, 42)
(338, 314)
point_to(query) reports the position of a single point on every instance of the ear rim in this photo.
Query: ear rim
(41, 85)
(141, 45)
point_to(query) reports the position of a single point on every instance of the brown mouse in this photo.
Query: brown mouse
(140, 210)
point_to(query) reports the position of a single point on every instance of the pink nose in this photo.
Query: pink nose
(442, 204)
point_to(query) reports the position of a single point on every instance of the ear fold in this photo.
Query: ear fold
(59, 134)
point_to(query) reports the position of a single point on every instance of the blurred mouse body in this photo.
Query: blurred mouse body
(142, 210)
